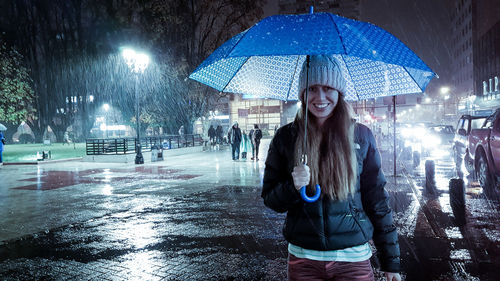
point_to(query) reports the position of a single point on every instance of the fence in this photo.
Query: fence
(128, 145)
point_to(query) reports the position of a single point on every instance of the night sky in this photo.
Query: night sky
(424, 25)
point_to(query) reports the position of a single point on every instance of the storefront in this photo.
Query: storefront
(268, 114)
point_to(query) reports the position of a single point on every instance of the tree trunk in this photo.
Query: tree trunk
(59, 131)
(38, 128)
(11, 130)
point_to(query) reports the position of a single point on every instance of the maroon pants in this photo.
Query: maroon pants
(306, 269)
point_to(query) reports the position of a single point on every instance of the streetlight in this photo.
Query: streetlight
(137, 62)
(444, 90)
(445, 93)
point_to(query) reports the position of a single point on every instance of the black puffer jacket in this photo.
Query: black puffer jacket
(327, 224)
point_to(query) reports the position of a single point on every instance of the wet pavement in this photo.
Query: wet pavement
(199, 216)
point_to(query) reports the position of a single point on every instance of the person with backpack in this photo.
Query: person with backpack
(256, 136)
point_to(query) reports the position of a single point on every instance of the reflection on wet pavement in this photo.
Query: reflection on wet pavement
(53, 179)
(204, 235)
(442, 248)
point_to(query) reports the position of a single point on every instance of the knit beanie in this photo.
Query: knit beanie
(323, 70)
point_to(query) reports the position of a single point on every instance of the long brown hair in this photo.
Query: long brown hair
(330, 150)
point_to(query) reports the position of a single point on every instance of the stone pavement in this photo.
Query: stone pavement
(197, 216)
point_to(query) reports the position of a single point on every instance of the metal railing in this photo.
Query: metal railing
(128, 145)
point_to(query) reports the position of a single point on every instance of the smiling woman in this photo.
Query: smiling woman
(333, 232)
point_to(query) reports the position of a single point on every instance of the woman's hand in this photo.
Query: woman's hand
(301, 176)
(391, 276)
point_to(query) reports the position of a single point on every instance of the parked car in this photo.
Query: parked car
(484, 148)
(465, 124)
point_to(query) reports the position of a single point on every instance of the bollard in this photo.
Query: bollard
(160, 154)
(154, 153)
(416, 159)
(457, 200)
(430, 181)
(407, 153)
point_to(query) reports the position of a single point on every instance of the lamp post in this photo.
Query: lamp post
(106, 108)
(137, 62)
(445, 93)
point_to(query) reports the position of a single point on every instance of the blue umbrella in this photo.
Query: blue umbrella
(265, 60)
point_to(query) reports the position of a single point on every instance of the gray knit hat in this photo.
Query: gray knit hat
(323, 70)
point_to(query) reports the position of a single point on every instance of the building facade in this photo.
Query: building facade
(486, 25)
(462, 48)
(264, 112)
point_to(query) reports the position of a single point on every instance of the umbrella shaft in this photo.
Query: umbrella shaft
(304, 144)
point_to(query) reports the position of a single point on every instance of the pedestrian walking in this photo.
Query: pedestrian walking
(2, 143)
(234, 137)
(181, 135)
(211, 135)
(245, 145)
(218, 134)
(250, 136)
(256, 136)
(329, 238)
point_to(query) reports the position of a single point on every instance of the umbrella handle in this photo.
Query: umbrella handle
(307, 198)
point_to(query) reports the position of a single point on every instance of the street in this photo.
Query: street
(199, 216)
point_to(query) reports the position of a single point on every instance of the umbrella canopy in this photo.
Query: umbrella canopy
(2, 127)
(265, 61)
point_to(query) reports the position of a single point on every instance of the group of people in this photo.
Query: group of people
(215, 135)
(243, 142)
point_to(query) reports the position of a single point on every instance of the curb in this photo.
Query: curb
(43, 162)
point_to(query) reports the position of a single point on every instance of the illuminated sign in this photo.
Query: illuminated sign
(489, 87)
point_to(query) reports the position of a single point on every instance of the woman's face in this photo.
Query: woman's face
(321, 101)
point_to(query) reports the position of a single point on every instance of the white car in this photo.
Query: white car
(442, 138)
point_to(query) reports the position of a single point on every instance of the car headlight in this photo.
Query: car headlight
(407, 133)
(430, 141)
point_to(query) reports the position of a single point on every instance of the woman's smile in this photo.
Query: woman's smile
(321, 105)
(322, 100)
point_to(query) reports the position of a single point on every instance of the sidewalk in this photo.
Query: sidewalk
(197, 216)
(191, 217)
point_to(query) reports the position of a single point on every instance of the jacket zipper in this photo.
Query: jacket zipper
(354, 216)
(325, 241)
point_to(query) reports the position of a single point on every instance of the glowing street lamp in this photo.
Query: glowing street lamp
(444, 90)
(137, 62)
